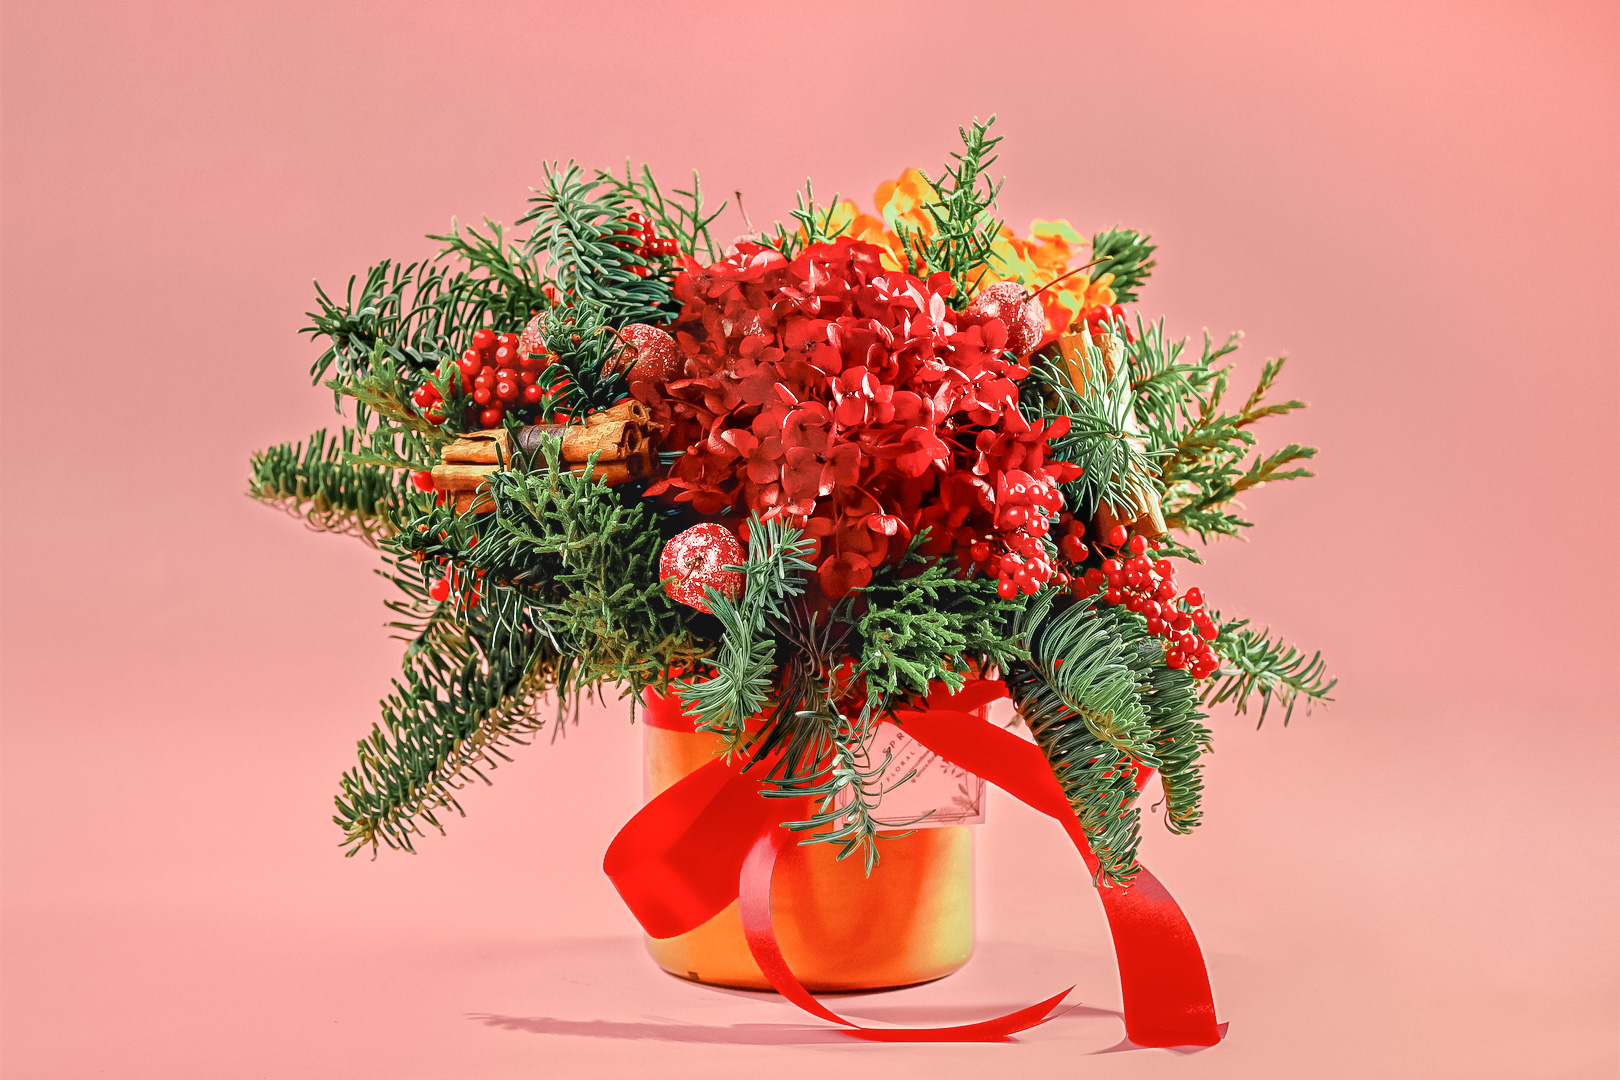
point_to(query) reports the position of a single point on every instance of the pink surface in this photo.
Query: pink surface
(1417, 201)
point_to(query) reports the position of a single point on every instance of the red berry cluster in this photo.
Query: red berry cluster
(1147, 586)
(1026, 508)
(497, 376)
(642, 240)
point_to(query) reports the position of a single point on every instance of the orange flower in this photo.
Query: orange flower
(1034, 262)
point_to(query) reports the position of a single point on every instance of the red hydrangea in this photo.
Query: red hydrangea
(851, 400)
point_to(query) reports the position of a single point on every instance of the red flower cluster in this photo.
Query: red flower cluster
(854, 402)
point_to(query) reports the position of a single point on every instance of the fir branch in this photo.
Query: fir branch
(1128, 255)
(846, 786)
(580, 225)
(311, 481)
(555, 592)
(1204, 450)
(680, 217)
(1100, 701)
(1117, 468)
(746, 661)
(586, 372)
(504, 277)
(462, 701)
(1256, 664)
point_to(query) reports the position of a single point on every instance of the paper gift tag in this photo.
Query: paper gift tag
(955, 795)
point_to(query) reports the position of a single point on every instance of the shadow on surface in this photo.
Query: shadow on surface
(737, 1034)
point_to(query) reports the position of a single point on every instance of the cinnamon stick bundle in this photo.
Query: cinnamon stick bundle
(622, 433)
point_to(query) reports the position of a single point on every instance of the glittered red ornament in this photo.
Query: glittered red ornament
(696, 559)
(1018, 311)
(657, 357)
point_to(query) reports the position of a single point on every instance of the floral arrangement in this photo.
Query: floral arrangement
(850, 470)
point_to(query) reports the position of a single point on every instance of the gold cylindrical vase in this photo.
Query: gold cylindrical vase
(909, 922)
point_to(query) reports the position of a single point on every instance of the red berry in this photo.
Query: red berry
(1194, 597)
(979, 551)
(424, 396)
(506, 341)
(1174, 659)
(491, 417)
(532, 394)
(423, 480)
(482, 395)
(506, 356)
(1164, 569)
(1208, 631)
(1138, 545)
(1112, 566)
(1154, 625)
(483, 339)
(440, 590)
(1114, 596)
(471, 363)
(1073, 548)
(1180, 621)
(1006, 589)
(506, 389)
(1165, 592)
(1117, 535)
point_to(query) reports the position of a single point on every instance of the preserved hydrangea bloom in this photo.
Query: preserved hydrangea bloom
(851, 400)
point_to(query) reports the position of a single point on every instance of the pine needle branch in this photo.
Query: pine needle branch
(1255, 664)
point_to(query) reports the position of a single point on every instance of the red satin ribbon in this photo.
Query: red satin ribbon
(710, 839)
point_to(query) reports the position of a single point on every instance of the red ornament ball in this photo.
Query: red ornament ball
(1018, 311)
(696, 559)
(657, 358)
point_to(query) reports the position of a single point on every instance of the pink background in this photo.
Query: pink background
(1417, 201)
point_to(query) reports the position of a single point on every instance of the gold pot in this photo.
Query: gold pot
(910, 922)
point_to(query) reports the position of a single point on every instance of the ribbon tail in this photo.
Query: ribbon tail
(1163, 981)
(754, 906)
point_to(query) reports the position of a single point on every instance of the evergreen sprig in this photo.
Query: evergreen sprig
(1128, 255)
(962, 240)
(311, 481)
(580, 226)
(817, 224)
(586, 372)
(744, 665)
(930, 625)
(1255, 664)
(679, 215)
(1100, 701)
(1117, 467)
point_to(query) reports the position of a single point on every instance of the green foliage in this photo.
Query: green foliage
(556, 592)
(1206, 450)
(1118, 469)
(932, 625)
(742, 682)
(311, 481)
(1257, 664)
(1099, 700)
(468, 692)
(963, 238)
(579, 223)
(1128, 255)
(679, 215)
(586, 372)
(816, 225)
(507, 281)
